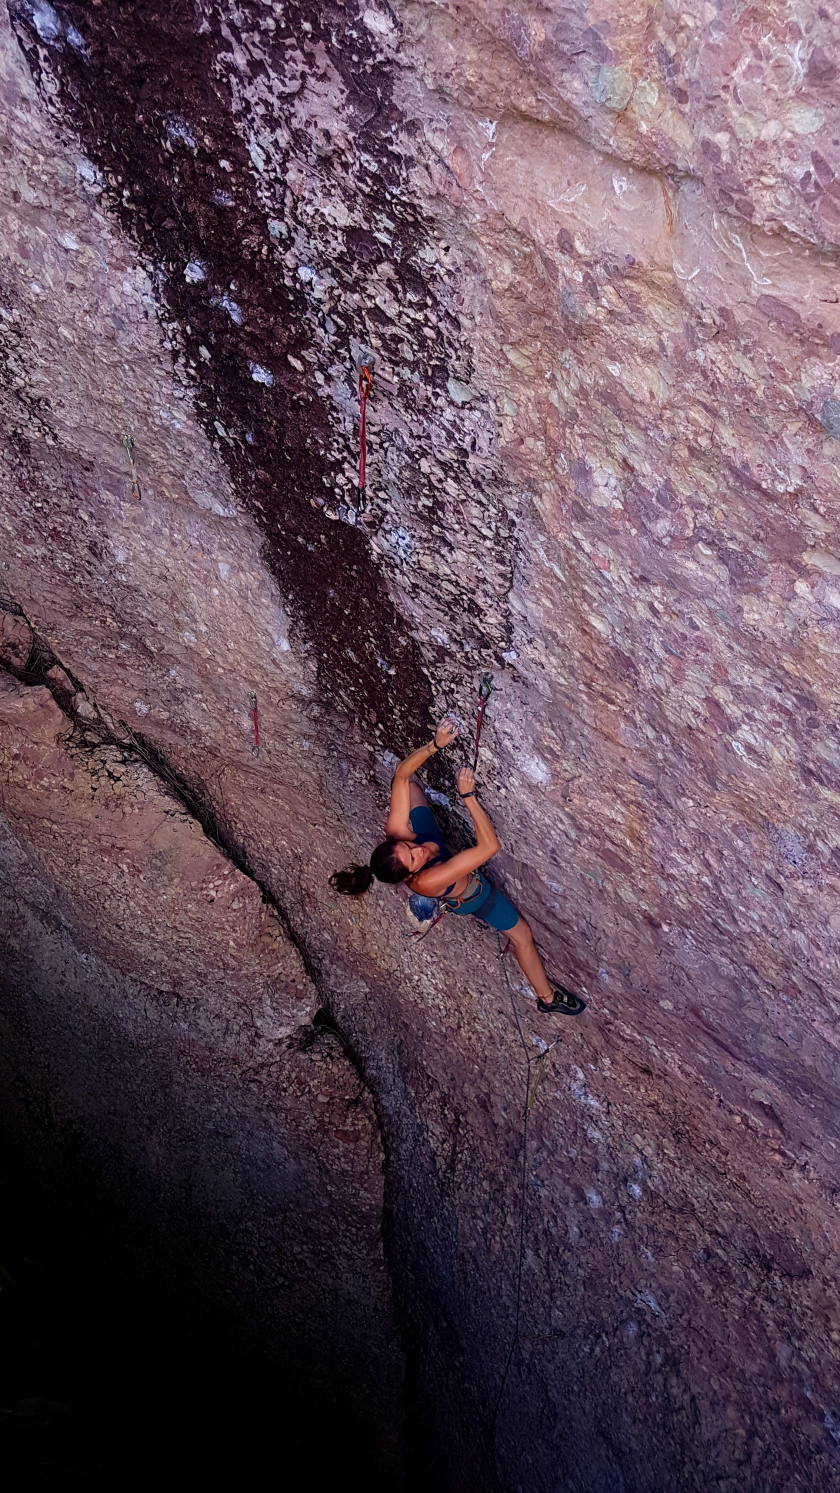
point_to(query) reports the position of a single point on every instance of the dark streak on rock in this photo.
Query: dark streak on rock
(140, 64)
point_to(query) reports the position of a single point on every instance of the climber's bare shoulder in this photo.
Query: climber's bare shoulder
(433, 880)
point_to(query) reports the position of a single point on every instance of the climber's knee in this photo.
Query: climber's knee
(520, 933)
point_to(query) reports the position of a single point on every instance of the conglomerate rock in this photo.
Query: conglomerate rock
(590, 253)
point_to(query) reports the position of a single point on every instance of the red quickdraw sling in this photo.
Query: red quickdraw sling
(255, 715)
(365, 381)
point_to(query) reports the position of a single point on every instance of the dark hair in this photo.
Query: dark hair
(384, 865)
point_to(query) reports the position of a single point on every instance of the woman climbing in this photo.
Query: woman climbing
(415, 852)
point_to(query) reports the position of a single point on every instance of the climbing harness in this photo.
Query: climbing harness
(255, 716)
(471, 890)
(365, 381)
(536, 1067)
(437, 907)
(128, 442)
(485, 689)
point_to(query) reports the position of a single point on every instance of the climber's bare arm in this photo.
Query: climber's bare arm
(398, 826)
(436, 879)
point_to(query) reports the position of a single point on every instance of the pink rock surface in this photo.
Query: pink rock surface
(591, 256)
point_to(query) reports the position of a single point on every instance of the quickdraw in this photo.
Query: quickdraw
(365, 382)
(485, 689)
(255, 715)
(128, 442)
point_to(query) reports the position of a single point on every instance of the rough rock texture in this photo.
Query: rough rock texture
(592, 254)
(166, 1057)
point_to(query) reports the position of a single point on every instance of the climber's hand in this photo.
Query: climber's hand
(466, 780)
(445, 733)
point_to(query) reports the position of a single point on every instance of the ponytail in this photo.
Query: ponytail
(352, 881)
(385, 865)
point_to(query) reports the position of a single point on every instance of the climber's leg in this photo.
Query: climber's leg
(528, 959)
(549, 999)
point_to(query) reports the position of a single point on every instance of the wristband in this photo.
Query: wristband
(471, 794)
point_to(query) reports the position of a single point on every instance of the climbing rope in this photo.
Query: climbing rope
(365, 381)
(535, 1069)
(485, 689)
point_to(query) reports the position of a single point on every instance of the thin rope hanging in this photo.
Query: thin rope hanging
(535, 1066)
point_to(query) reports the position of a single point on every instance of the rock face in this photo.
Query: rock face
(591, 256)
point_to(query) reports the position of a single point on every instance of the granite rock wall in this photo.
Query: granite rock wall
(592, 259)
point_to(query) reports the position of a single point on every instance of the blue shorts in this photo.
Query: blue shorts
(488, 904)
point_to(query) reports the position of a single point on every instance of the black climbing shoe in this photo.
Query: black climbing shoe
(564, 1003)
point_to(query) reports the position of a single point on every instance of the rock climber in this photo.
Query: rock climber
(415, 852)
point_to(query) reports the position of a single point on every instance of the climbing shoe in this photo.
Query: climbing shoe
(564, 1003)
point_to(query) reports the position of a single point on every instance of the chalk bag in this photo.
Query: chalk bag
(421, 910)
